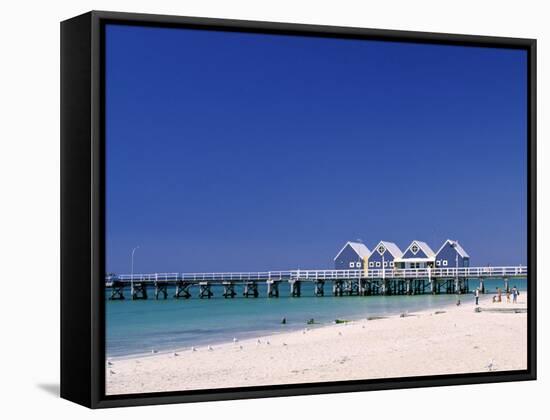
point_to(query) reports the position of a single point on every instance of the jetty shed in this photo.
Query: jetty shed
(383, 255)
(353, 255)
(417, 255)
(451, 254)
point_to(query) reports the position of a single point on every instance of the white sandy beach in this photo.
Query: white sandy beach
(424, 343)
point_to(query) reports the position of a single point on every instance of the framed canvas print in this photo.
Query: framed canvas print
(255, 209)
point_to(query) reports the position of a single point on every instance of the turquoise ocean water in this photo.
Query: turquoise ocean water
(137, 327)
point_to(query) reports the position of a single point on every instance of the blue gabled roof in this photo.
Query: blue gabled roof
(391, 248)
(359, 248)
(424, 247)
(457, 246)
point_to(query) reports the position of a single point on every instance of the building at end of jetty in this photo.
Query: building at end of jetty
(356, 255)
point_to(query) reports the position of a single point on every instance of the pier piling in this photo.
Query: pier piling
(337, 288)
(117, 291)
(295, 288)
(251, 289)
(272, 288)
(182, 290)
(319, 288)
(161, 288)
(205, 290)
(229, 289)
(139, 291)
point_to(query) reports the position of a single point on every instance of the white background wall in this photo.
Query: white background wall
(29, 209)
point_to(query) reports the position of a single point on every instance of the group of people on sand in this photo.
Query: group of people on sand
(498, 298)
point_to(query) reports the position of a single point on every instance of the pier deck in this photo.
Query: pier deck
(344, 282)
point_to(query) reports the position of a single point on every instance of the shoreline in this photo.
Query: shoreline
(294, 328)
(422, 343)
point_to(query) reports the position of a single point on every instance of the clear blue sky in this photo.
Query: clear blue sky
(233, 151)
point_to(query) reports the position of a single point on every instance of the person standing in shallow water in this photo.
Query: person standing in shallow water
(476, 294)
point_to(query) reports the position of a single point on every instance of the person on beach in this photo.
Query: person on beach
(515, 294)
(507, 295)
(499, 295)
(476, 294)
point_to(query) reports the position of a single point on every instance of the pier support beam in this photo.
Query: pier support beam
(251, 289)
(161, 288)
(205, 290)
(229, 290)
(182, 290)
(362, 287)
(352, 288)
(319, 288)
(400, 286)
(384, 289)
(117, 291)
(481, 286)
(369, 288)
(506, 285)
(375, 287)
(295, 288)
(139, 291)
(272, 288)
(337, 287)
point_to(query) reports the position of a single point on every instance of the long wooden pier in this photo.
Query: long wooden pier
(342, 282)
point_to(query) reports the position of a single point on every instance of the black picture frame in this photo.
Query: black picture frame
(83, 218)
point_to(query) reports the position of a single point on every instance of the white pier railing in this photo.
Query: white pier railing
(328, 275)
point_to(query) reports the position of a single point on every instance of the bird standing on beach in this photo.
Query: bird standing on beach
(112, 372)
(240, 347)
(109, 363)
(235, 339)
(193, 349)
(491, 365)
(153, 351)
(176, 354)
(267, 342)
(258, 342)
(210, 348)
(339, 332)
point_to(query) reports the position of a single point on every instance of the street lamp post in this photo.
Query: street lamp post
(457, 286)
(383, 273)
(132, 277)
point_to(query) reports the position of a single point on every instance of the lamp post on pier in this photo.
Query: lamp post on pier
(132, 277)
(383, 273)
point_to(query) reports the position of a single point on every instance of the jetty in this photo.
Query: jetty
(363, 282)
